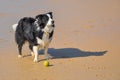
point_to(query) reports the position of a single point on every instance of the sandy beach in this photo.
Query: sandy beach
(85, 46)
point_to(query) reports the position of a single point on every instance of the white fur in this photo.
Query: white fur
(44, 42)
(19, 56)
(32, 54)
(49, 28)
(14, 26)
(35, 50)
(41, 42)
(50, 20)
(46, 51)
(36, 23)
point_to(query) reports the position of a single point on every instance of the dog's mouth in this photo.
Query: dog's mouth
(53, 25)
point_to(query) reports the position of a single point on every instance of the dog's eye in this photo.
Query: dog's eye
(42, 25)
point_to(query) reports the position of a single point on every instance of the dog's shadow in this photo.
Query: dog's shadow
(71, 53)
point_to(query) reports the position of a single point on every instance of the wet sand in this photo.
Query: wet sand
(85, 45)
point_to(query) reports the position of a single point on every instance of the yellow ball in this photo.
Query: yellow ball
(46, 63)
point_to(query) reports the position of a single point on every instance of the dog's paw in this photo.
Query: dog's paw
(19, 56)
(48, 56)
(35, 60)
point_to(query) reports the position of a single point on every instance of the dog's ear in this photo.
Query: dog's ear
(38, 19)
(50, 13)
(38, 16)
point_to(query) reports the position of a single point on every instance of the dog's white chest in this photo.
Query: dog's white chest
(45, 40)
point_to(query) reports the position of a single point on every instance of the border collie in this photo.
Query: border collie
(36, 31)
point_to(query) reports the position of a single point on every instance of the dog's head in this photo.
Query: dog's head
(45, 20)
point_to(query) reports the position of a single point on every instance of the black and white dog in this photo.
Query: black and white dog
(37, 31)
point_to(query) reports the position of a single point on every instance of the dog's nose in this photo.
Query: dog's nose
(52, 22)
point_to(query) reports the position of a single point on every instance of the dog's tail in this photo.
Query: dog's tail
(14, 26)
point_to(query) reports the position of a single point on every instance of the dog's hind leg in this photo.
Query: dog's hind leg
(20, 49)
(20, 42)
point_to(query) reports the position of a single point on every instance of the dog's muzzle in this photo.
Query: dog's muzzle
(52, 23)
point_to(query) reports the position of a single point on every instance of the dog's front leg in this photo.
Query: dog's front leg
(46, 52)
(47, 56)
(35, 50)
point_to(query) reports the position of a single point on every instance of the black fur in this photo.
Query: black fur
(27, 30)
(51, 34)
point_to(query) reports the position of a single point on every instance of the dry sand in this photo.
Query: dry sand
(86, 43)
